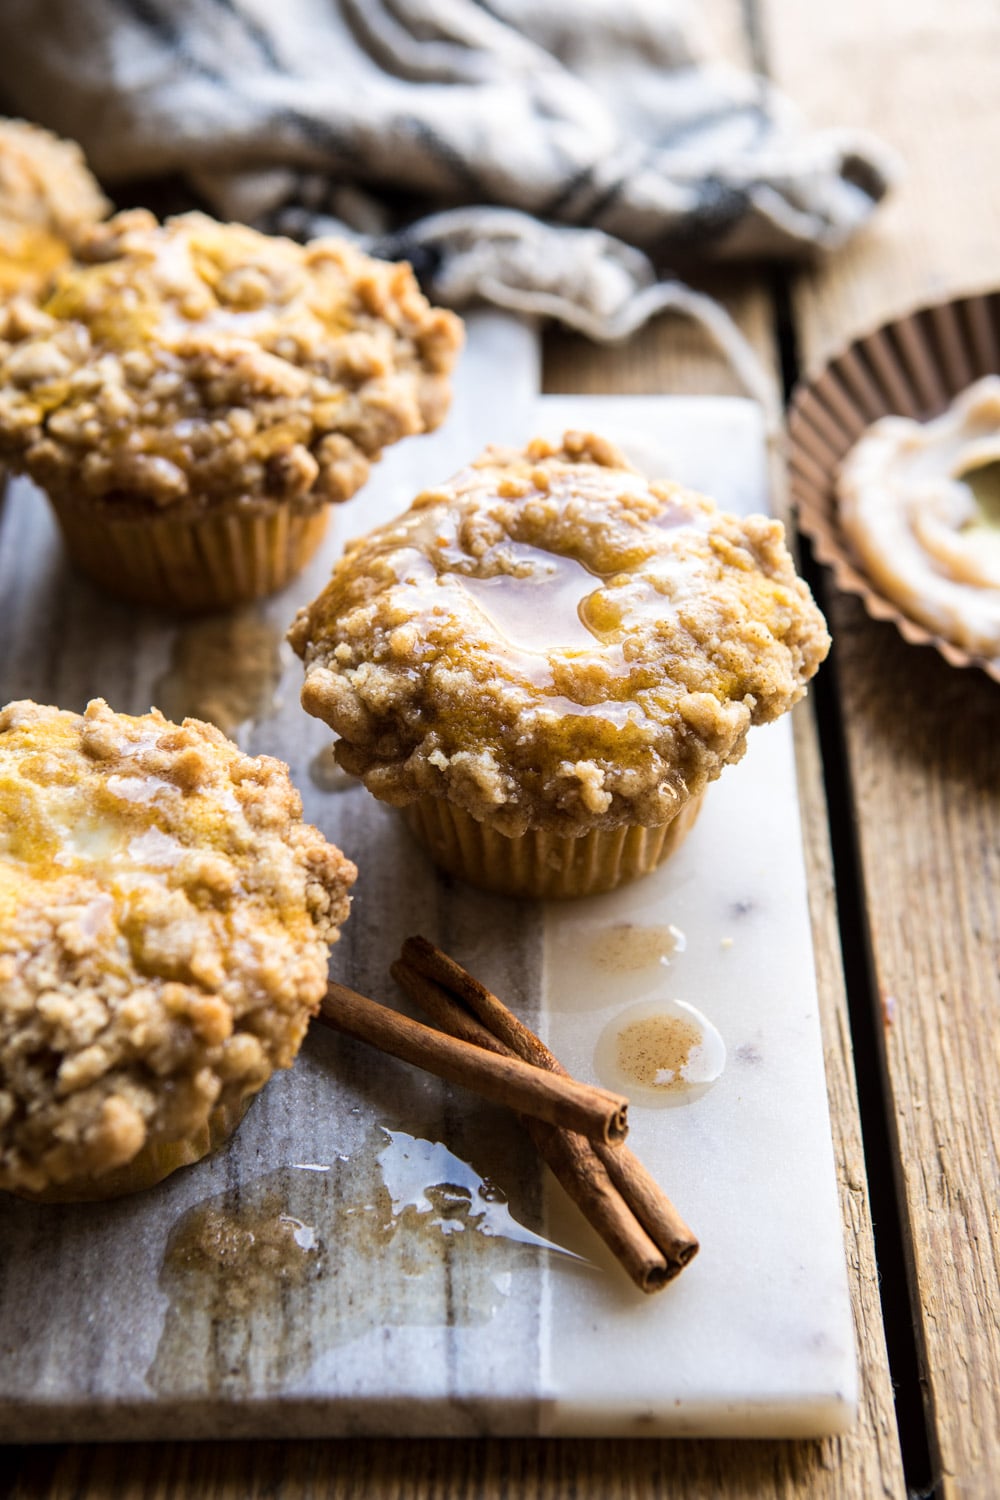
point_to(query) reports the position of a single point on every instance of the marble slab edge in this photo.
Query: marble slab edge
(317, 1417)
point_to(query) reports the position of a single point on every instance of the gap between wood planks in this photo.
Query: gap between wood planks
(890, 1222)
(886, 1194)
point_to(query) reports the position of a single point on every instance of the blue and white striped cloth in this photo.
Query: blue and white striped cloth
(543, 155)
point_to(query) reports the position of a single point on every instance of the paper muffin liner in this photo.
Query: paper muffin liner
(912, 367)
(211, 561)
(155, 1161)
(540, 864)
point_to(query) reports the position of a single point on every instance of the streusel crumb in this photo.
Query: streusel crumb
(551, 642)
(193, 364)
(48, 197)
(164, 922)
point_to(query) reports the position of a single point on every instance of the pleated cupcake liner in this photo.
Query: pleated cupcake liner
(540, 864)
(156, 1160)
(196, 563)
(912, 367)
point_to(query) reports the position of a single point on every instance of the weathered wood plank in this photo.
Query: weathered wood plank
(922, 738)
(440, 1470)
(925, 77)
(673, 353)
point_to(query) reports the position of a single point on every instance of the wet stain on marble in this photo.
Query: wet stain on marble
(627, 947)
(225, 669)
(661, 1052)
(262, 1280)
(656, 1052)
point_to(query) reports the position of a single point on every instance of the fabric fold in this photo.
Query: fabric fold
(478, 136)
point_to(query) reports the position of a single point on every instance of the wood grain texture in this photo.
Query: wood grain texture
(922, 743)
(439, 1470)
(925, 76)
(671, 354)
(921, 737)
(868, 1460)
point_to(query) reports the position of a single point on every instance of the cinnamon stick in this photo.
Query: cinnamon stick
(505, 1079)
(641, 1192)
(571, 1158)
(431, 961)
(444, 1009)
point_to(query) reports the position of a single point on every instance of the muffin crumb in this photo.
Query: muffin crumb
(550, 642)
(193, 364)
(165, 918)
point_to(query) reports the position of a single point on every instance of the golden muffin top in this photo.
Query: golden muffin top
(192, 363)
(165, 917)
(550, 641)
(47, 198)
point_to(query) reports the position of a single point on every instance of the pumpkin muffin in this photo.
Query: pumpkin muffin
(165, 918)
(48, 199)
(546, 660)
(196, 395)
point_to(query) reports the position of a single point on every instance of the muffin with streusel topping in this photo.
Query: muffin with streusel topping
(195, 395)
(48, 199)
(546, 660)
(165, 917)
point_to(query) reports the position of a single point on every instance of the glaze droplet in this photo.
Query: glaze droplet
(661, 1052)
(627, 947)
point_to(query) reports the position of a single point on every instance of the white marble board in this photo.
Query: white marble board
(396, 1261)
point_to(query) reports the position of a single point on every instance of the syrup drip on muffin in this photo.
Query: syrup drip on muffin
(529, 641)
(541, 609)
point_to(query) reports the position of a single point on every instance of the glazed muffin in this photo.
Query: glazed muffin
(165, 917)
(48, 199)
(546, 660)
(196, 395)
(919, 503)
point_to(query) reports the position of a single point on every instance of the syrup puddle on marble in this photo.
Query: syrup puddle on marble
(264, 1279)
(225, 669)
(580, 955)
(327, 776)
(626, 947)
(660, 1052)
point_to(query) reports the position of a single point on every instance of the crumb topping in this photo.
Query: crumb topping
(47, 198)
(164, 922)
(550, 641)
(193, 363)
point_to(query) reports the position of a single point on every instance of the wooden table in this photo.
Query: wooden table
(900, 775)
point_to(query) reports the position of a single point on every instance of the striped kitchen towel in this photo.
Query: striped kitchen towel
(544, 155)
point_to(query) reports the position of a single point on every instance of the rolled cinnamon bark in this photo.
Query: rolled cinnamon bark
(444, 1009)
(431, 961)
(619, 1206)
(583, 1176)
(592, 1112)
(641, 1192)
